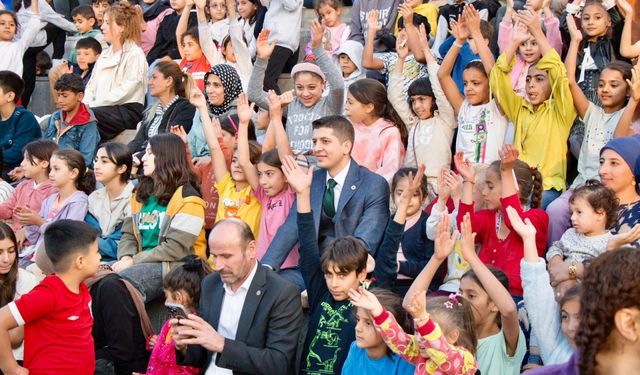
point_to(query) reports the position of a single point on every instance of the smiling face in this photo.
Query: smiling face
(329, 16)
(214, 89)
(328, 149)
(422, 106)
(615, 172)
(537, 86)
(612, 89)
(85, 57)
(529, 51)
(476, 86)
(570, 319)
(309, 88)
(246, 9)
(595, 21)
(7, 27)
(8, 255)
(585, 219)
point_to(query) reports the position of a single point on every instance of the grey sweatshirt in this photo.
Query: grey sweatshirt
(299, 117)
(359, 14)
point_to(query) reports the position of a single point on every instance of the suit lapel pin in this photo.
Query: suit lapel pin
(259, 292)
(353, 187)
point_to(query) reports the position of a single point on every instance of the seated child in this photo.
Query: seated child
(350, 60)
(74, 125)
(18, 126)
(218, 24)
(56, 314)
(99, 7)
(13, 49)
(85, 20)
(87, 52)
(193, 62)
(336, 32)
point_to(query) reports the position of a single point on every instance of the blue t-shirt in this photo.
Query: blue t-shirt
(359, 363)
(465, 56)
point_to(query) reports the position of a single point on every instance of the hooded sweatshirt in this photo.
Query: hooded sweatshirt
(79, 133)
(284, 19)
(74, 208)
(353, 50)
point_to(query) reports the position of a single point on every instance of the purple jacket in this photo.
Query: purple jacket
(568, 368)
(75, 208)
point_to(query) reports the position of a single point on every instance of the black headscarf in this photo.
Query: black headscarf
(231, 84)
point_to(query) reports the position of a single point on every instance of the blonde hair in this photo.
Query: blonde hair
(128, 17)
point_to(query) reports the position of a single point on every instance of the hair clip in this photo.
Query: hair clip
(448, 305)
(454, 297)
(366, 284)
(235, 127)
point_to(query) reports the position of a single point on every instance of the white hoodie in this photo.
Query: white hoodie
(352, 49)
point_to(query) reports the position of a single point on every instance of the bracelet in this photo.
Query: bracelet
(457, 45)
(573, 271)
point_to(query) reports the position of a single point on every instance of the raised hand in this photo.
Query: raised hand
(200, 4)
(406, 11)
(372, 21)
(445, 240)
(625, 8)
(454, 185)
(531, 19)
(634, 82)
(626, 238)
(244, 108)
(459, 29)
(317, 32)
(179, 131)
(299, 179)
(468, 239)
(416, 182)
(264, 49)
(287, 97)
(520, 33)
(443, 190)
(417, 305)
(524, 228)
(366, 300)
(464, 167)
(576, 34)
(471, 18)
(197, 99)
(508, 157)
(402, 48)
(275, 104)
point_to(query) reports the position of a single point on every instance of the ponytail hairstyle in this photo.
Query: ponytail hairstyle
(370, 91)
(188, 278)
(128, 17)
(498, 274)
(455, 312)
(120, 155)
(9, 281)
(172, 170)
(611, 282)
(600, 198)
(529, 180)
(85, 181)
(40, 149)
(182, 82)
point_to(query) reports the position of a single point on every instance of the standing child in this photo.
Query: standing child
(481, 124)
(108, 206)
(509, 182)
(428, 115)
(369, 354)
(194, 62)
(336, 32)
(309, 82)
(33, 190)
(55, 343)
(381, 134)
(74, 125)
(236, 197)
(445, 340)
(13, 50)
(181, 286)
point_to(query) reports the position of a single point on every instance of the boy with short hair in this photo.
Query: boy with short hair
(56, 314)
(87, 52)
(17, 125)
(85, 19)
(99, 7)
(74, 125)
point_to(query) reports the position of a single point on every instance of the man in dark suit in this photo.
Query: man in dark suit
(346, 198)
(250, 318)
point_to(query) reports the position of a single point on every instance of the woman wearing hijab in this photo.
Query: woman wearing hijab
(222, 87)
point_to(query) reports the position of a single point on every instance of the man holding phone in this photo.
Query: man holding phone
(249, 316)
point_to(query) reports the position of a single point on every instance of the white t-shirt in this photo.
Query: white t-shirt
(26, 281)
(481, 132)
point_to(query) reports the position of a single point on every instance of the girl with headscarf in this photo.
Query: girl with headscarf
(222, 87)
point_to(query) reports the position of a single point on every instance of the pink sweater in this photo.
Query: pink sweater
(378, 147)
(339, 34)
(25, 194)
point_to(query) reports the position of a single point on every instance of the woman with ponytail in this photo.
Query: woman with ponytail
(381, 135)
(509, 182)
(171, 87)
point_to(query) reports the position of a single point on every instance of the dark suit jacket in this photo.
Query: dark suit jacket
(268, 330)
(363, 212)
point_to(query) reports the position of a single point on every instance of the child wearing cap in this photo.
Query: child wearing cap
(309, 81)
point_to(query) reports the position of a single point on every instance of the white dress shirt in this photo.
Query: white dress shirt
(339, 179)
(230, 317)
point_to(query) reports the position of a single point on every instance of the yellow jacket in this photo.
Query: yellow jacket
(540, 135)
(428, 10)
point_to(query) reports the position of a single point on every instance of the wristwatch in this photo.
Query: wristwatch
(573, 271)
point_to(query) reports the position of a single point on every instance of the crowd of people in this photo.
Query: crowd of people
(449, 188)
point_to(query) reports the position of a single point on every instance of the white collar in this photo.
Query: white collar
(246, 284)
(341, 176)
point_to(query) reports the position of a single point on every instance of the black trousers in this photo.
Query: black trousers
(281, 60)
(56, 36)
(112, 120)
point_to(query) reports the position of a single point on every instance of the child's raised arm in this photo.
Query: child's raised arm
(335, 99)
(472, 20)
(264, 49)
(531, 19)
(497, 293)
(580, 100)
(527, 231)
(508, 158)
(468, 173)
(627, 47)
(183, 23)
(244, 159)
(623, 127)
(459, 31)
(212, 131)
(413, 34)
(8, 362)
(209, 49)
(368, 61)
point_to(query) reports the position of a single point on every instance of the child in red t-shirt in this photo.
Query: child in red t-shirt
(194, 61)
(56, 314)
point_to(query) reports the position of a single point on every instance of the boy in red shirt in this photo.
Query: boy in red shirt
(56, 314)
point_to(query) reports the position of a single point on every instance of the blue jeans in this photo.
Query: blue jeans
(549, 196)
(147, 279)
(293, 275)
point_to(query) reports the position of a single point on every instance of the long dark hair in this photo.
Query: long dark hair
(172, 170)
(85, 182)
(370, 91)
(188, 278)
(529, 182)
(41, 149)
(8, 282)
(119, 155)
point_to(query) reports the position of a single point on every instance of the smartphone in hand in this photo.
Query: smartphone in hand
(176, 310)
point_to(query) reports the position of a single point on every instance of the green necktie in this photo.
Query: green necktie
(328, 199)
